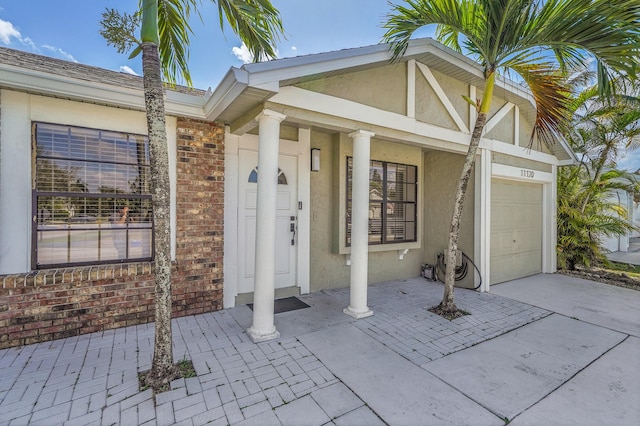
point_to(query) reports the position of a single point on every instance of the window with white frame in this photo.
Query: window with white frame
(91, 197)
(392, 202)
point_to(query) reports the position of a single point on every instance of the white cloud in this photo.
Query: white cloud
(125, 69)
(65, 55)
(28, 42)
(8, 31)
(243, 53)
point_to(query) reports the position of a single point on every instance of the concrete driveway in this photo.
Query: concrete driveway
(603, 305)
(546, 350)
(607, 389)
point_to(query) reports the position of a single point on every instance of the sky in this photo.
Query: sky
(68, 29)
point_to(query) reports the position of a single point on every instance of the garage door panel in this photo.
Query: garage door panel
(516, 230)
(528, 241)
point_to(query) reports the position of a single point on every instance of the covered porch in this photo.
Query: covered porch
(340, 170)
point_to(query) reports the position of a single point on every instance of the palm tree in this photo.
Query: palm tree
(164, 42)
(535, 40)
(581, 226)
(601, 129)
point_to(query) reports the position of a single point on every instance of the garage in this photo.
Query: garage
(516, 229)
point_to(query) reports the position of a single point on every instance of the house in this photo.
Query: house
(623, 201)
(357, 159)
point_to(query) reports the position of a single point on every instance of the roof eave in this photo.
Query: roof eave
(228, 90)
(58, 86)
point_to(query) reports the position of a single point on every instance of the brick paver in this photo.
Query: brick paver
(92, 379)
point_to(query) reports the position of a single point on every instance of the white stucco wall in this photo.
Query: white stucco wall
(636, 219)
(620, 243)
(329, 254)
(18, 112)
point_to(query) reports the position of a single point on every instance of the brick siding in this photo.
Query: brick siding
(53, 304)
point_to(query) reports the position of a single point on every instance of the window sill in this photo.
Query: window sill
(78, 274)
(385, 247)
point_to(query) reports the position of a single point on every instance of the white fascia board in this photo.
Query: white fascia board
(518, 151)
(427, 45)
(31, 81)
(299, 66)
(232, 85)
(314, 67)
(515, 88)
(565, 146)
(349, 110)
(184, 105)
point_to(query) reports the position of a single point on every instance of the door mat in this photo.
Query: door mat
(285, 305)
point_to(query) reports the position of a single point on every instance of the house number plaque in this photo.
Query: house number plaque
(527, 173)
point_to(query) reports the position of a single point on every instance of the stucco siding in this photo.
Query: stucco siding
(384, 87)
(442, 171)
(526, 129)
(328, 268)
(429, 109)
(454, 90)
(509, 160)
(504, 131)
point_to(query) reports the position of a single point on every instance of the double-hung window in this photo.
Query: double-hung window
(392, 202)
(91, 197)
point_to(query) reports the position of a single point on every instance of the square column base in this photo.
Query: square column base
(263, 337)
(357, 315)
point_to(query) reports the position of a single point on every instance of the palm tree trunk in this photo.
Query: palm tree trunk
(162, 368)
(596, 178)
(448, 305)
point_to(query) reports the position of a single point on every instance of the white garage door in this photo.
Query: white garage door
(516, 230)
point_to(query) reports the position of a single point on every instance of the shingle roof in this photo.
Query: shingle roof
(79, 71)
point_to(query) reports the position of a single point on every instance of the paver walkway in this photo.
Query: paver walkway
(298, 379)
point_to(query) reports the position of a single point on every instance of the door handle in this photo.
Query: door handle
(292, 228)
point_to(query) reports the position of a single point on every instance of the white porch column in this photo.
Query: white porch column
(263, 327)
(360, 225)
(482, 218)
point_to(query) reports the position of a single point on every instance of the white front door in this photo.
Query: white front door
(286, 220)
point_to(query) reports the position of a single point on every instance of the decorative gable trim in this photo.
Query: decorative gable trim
(431, 79)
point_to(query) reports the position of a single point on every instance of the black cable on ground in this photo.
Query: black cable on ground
(476, 268)
(460, 271)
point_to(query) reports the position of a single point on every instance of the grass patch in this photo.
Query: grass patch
(186, 369)
(627, 268)
(613, 273)
(183, 369)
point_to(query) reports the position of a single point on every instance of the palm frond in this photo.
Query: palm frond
(175, 31)
(256, 22)
(552, 98)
